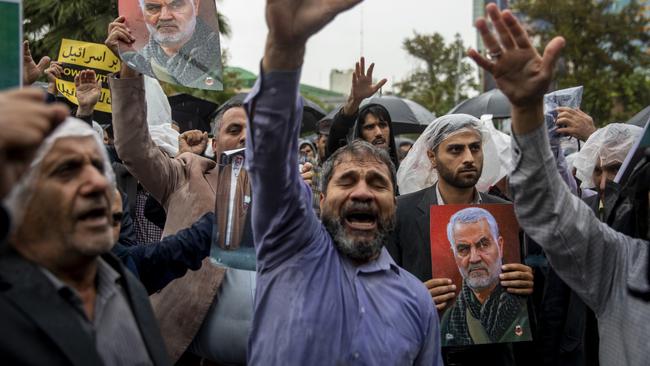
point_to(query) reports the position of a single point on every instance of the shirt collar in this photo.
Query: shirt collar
(383, 263)
(477, 197)
(105, 274)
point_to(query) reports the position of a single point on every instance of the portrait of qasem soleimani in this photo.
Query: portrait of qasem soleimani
(484, 312)
(177, 41)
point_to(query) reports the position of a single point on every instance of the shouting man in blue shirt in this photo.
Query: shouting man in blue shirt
(327, 294)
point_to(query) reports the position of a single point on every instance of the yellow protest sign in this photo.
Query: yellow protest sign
(76, 56)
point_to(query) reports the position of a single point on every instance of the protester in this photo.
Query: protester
(190, 317)
(403, 147)
(371, 123)
(65, 300)
(329, 293)
(600, 159)
(24, 121)
(607, 269)
(321, 141)
(446, 165)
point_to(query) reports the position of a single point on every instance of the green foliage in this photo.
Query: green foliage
(606, 52)
(445, 77)
(48, 21)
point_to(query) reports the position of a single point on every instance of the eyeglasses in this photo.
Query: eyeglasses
(153, 9)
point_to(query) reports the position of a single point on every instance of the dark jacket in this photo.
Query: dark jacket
(340, 132)
(157, 264)
(41, 328)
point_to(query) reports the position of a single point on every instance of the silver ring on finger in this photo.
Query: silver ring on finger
(494, 55)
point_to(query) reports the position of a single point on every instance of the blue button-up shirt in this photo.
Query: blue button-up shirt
(313, 306)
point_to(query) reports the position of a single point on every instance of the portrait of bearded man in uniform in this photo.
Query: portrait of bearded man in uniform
(182, 46)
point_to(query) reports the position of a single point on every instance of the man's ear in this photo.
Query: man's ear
(322, 199)
(432, 158)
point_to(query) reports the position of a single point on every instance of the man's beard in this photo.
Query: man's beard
(456, 180)
(361, 250)
(482, 282)
(171, 39)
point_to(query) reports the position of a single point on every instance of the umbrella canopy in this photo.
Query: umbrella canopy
(407, 115)
(640, 119)
(191, 113)
(492, 102)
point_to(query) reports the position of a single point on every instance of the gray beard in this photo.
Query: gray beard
(360, 250)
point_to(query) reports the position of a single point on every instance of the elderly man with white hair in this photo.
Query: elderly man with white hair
(601, 158)
(64, 299)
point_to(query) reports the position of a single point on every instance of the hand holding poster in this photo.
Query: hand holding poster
(469, 244)
(76, 56)
(176, 41)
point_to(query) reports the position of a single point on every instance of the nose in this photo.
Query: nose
(242, 138)
(474, 256)
(361, 192)
(94, 183)
(468, 157)
(165, 13)
(378, 132)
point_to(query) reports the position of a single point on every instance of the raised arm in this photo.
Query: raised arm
(157, 172)
(588, 255)
(343, 121)
(283, 220)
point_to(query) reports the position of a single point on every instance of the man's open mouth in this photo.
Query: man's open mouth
(379, 141)
(94, 216)
(361, 219)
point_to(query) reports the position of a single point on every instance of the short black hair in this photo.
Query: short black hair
(358, 149)
(218, 117)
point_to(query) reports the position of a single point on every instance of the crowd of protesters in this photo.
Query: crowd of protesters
(106, 231)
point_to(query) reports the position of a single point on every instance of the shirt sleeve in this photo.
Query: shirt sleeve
(588, 255)
(158, 173)
(430, 353)
(283, 220)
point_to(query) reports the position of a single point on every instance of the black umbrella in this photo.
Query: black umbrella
(407, 115)
(492, 102)
(312, 113)
(191, 113)
(640, 119)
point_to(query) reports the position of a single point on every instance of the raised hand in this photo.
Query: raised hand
(291, 23)
(575, 122)
(88, 91)
(518, 69)
(25, 120)
(362, 86)
(193, 141)
(53, 72)
(517, 278)
(118, 34)
(31, 70)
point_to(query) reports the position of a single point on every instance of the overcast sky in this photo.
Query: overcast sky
(386, 23)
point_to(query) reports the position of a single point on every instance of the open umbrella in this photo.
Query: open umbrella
(407, 115)
(640, 119)
(492, 102)
(191, 113)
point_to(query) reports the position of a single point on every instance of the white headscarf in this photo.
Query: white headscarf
(609, 144)
(159, 117)
(416, 173)
(21, 192)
